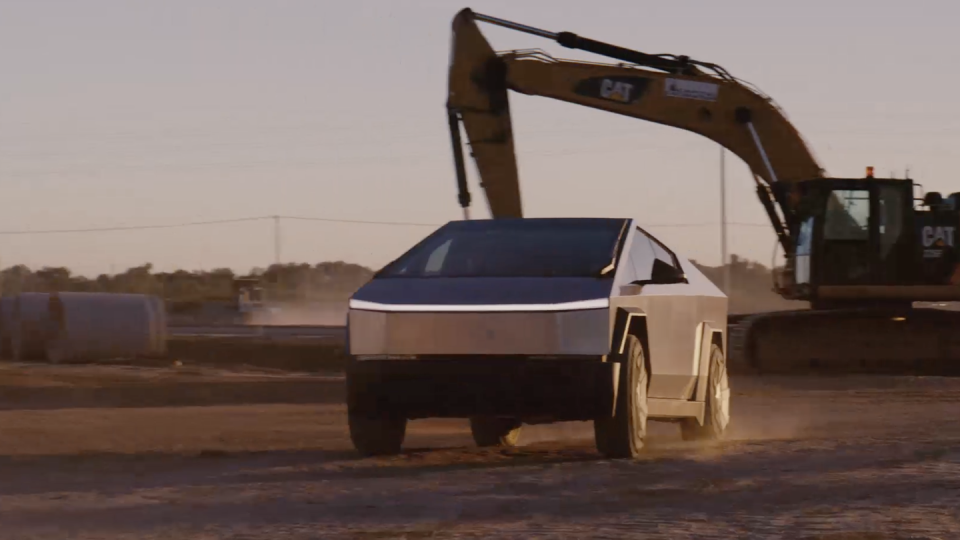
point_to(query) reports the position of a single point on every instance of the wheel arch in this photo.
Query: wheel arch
(629, 321)
(712, 335)
(718, 338)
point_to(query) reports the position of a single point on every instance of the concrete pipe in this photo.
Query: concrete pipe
(99, 326)
(60, 327)
(6, 327)
(31, 326)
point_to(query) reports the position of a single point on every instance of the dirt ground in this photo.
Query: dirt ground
(132, 452)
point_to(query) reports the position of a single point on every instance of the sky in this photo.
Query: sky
(118, 113)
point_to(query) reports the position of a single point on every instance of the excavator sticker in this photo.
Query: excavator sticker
(682, 88)
(624, 90)
(937, 236)
(936, 241)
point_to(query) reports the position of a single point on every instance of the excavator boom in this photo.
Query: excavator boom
(674, 91)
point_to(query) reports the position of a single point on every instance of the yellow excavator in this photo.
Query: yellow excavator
(863, 251)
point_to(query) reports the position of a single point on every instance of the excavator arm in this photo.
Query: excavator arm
(674, 91)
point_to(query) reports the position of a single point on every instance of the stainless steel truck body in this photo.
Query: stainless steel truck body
(513, 321)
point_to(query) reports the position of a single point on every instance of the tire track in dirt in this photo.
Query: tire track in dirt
(860, 457)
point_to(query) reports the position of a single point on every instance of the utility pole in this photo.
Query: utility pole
(278, 285)
(723, 221)
(276, 239)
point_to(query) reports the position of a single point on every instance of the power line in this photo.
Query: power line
(131, 227)
(684, 225)
(120, 228)
(362, 222)
(199, 223)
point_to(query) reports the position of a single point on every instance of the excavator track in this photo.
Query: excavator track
(847, 341)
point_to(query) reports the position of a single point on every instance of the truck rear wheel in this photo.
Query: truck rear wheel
(622, 435)
(716, 414)
(487, 431)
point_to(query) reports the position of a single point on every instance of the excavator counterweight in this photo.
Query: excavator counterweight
(860, 250)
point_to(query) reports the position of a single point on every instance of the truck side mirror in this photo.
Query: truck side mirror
(663, 273)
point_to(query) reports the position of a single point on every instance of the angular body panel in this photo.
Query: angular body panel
(673, 314)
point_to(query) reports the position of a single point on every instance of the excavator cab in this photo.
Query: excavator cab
(867, 238)
(851, 231)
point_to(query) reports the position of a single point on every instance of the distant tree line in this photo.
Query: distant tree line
(327, 281)
(751, 283)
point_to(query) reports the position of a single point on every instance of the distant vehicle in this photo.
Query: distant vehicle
(251, 303)
(514, 321)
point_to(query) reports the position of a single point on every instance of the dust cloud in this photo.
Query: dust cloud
(302, 314)
(561, 431)
(772, 414)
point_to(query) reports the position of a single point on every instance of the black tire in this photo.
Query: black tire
(716, 414)
(623, 434)
(373, 433)
(503, 432)
(377, 435)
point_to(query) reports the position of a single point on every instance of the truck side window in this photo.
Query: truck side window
(642, 255)
(437, 257)
(662, 253)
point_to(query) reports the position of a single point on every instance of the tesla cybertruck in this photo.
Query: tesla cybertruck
(514, 321)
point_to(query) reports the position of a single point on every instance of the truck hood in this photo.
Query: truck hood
(482, 294)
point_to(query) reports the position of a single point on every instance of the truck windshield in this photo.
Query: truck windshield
(549, 247)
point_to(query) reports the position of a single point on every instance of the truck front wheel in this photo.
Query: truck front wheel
(374, 432)
(377, 435)
(622, 435)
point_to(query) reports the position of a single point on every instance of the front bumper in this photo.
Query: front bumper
(577, 332)
(532, 389)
